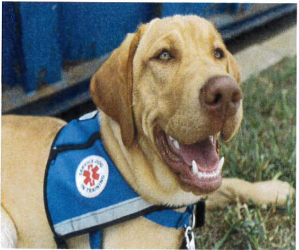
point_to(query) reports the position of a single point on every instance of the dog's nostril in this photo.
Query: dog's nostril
(211, 98)
(218, 98)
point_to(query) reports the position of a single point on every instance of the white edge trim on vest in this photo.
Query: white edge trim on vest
(89, 115)
(101, 216)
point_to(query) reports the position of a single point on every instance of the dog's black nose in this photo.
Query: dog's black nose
(221, 96)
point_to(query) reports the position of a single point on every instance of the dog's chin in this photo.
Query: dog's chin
(197, 166)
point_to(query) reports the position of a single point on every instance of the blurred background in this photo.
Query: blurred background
(51, 50)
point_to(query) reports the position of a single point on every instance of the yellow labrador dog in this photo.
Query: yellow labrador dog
(165, 95)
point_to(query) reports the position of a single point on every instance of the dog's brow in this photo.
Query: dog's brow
(217, 43)
(151, 25)
(171, 36)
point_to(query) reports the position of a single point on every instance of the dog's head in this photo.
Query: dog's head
(173, 88)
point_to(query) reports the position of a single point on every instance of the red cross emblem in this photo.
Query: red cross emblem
(91, 175)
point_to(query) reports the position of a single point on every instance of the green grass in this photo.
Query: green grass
(264, 149)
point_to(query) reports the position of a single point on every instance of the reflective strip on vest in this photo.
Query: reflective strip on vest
(101, 216)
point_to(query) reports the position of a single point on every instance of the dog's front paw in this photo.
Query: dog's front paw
(275, 192)
(8, 231)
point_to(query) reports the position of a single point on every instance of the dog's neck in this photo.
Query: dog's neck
(144, 175)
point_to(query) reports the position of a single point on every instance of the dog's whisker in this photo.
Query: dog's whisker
(144, 136)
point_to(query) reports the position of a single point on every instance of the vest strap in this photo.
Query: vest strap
(200, 213)
(168, 218)
(95, 240)
(61, 244)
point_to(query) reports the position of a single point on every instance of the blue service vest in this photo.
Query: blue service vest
(81, 199)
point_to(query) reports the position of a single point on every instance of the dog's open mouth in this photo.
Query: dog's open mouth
(197, 165)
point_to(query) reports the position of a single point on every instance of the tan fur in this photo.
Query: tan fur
(142, 233)
(26, 142)
(135, 94)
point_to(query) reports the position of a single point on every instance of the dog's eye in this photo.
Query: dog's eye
(164, 55)
(218, 53)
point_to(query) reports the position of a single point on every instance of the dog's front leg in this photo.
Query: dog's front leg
(266, 192)
(8, 231)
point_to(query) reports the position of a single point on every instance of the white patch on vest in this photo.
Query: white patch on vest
(88, 116)
(92, 176)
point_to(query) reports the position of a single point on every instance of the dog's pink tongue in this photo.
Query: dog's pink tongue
(204, 153)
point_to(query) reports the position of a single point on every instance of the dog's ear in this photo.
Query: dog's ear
(233, 67)
(111, 86)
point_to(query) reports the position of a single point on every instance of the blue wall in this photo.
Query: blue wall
(203, 9)
(10, 53)
(39, 37)
(39, 40)
(90, 30)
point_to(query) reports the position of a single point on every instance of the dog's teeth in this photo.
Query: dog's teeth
(176, 144)
(220, 165)
(203, 175)
(211, 138)
(194, 167)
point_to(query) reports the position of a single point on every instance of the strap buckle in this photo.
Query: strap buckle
(189, 234)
